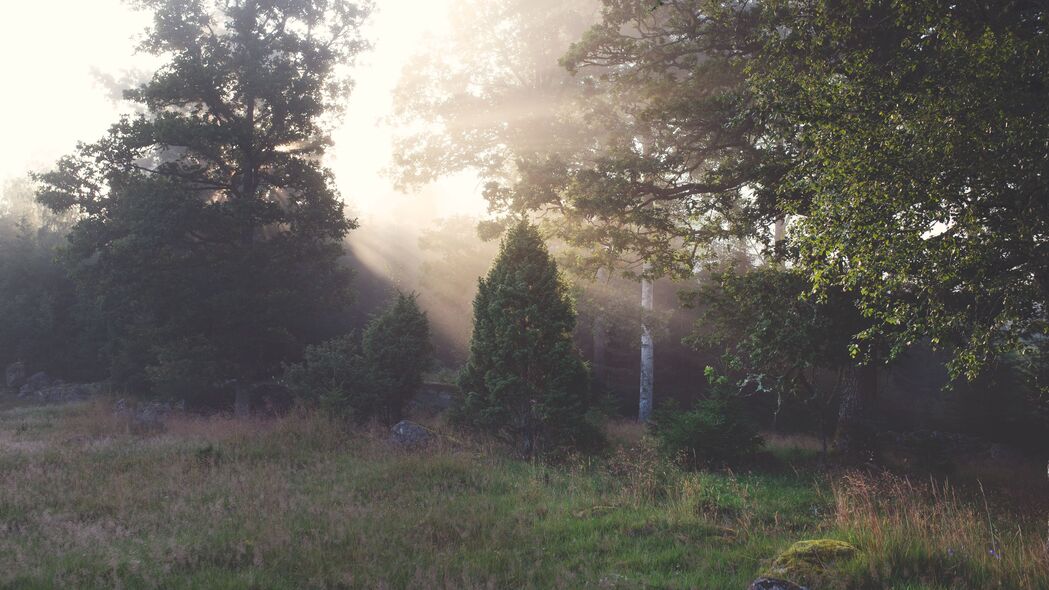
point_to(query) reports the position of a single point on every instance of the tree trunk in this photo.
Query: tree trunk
(600, 337)
(647, 353)
(854, 438)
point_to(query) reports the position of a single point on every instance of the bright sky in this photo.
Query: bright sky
(51, 49)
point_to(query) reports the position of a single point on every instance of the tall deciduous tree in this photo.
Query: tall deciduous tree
(905, 139)
(778, 342)
(680, 163)
(492, 92)
(209, 228)
(920, 138)
(525, 381)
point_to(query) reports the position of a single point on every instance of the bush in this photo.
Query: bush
(716, 432)
(397, 350)
(334, 375)
(375, 375)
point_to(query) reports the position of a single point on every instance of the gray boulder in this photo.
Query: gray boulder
(409, 434)
(35, 383)
(773, 584)
(14, 376)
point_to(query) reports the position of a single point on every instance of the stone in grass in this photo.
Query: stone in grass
(774, 584)
(806, 560)
(35, 383)
(409, 434)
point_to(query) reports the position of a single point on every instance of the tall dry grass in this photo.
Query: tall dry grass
(308, 501)
(935, 533)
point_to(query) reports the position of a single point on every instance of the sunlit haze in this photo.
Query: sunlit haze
(59, 54)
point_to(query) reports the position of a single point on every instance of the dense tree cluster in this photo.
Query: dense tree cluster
(846, 180)
(375, 375)
(902, 144)
(778, 342)
(913, 125)
(46, 324)
(208, 230)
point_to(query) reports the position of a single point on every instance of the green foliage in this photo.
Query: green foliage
(767, 322)
(896, 137)
(396, 351)
(376, 375)
(334, 375)
(673, 163)
(912, 125)
(449, 518)
(525, 381)
(778, 339)
(715, 432)
(46, 323)
(186, 369)
(207, 224)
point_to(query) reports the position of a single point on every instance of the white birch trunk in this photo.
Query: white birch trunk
(647, 353)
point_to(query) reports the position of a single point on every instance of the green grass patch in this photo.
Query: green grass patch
(303, 502)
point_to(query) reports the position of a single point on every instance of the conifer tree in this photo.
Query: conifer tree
(525, 381)
(397, 349)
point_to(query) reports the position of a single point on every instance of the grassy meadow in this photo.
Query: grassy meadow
(304, 502)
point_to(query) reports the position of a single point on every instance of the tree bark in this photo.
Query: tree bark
(780, 231)
(647, 353)
(854, 438)
(600, 336)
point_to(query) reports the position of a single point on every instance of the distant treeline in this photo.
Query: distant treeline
(836, 188)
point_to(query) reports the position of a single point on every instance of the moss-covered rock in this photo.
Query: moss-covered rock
(808, 560)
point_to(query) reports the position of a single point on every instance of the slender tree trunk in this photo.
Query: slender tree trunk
(854, 438)
(600, 336)
(644, 411)
(647, 353)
